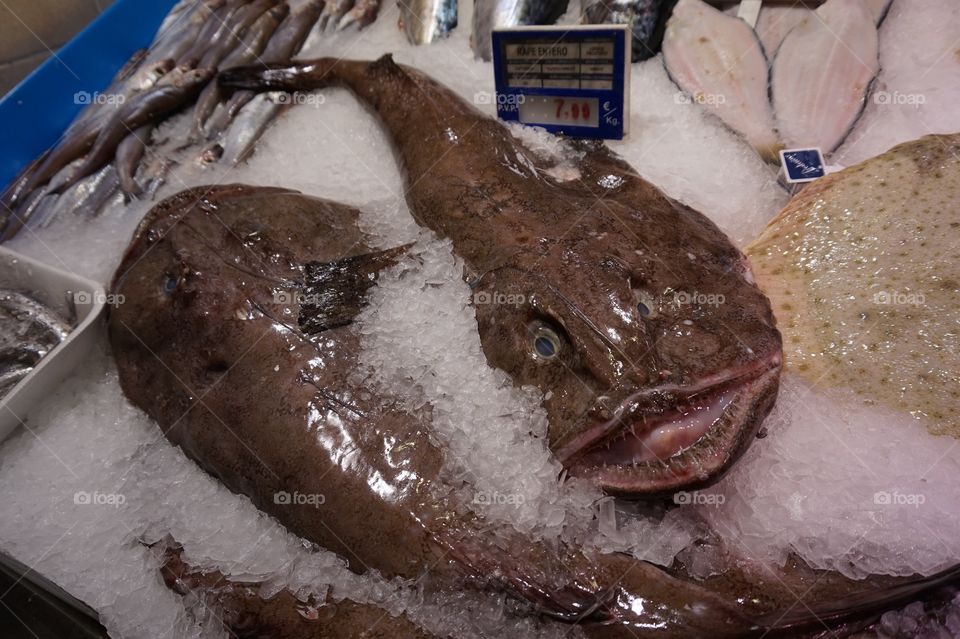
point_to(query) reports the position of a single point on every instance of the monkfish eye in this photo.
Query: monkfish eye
(169, 283)
(646, 305)
(544, 341)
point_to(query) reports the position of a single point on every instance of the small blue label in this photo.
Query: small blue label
(572, 80)
(802, 165)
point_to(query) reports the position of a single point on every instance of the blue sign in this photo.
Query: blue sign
(573, 80)
(802, 165)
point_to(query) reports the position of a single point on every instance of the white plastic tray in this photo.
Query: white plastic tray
(62, 292)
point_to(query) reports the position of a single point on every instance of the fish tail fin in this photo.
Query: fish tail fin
(290, 76)
(859, 606)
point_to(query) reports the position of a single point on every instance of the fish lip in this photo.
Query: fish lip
(750, 394)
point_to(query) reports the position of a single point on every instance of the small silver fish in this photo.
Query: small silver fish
(647, 19)
(492, 14)
(28, 331)
(425, 21)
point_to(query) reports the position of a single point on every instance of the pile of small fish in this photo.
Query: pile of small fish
(112, 147)
(28, 331)
(800, 80)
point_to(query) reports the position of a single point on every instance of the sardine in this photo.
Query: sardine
(493, 14)
(232, 31)
(424, 21)
(647, 20)
(128, 156)
(241, 138)
(718, 61)
(822, 74)
(28, 331)
(247, 51)
(178, 89)
(362, 14)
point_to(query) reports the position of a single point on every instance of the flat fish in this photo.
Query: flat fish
(775, 23)
(822, 74)
(862, 271)
(493, 14)
(28, 331)
(718, 61)
(647, 20)
(425, 21)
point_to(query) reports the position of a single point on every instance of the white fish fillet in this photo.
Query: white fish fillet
(878, 8)
(822, 74)
(718, 60)
(775, 23)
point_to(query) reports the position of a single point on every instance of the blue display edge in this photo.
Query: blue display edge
(37, 111)
(619, 74)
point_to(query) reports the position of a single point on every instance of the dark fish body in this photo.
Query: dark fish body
(28, 331)
(128, 156)
(645, 393)
(491, 14)
(647, 20)
(236, 336)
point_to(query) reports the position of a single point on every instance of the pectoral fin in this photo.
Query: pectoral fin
(334, 292)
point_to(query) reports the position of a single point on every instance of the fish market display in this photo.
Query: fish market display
(494, 14)
(859, 303)
(822, 74)
(297, 271)
(424, 21)
(647, 20)
(195, 39)
(648, 390)
(718, 60)
(28, 331)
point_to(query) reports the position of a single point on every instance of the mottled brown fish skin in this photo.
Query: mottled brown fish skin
(209, 343)
(604, 263)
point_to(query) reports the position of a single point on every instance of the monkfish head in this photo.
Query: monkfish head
(657, 356)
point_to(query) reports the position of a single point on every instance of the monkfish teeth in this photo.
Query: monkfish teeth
(718, 60)
(822, 74)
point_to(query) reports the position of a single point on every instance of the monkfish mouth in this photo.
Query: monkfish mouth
(669, 438)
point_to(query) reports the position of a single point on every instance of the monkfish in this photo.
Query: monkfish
(657, 355)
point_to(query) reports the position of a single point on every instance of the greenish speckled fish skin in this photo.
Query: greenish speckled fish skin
(647, 20)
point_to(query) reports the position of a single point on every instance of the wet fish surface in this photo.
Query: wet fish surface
(861, 269)
(28, 331)
(647, 20)
(425, 21)
(645, 393)
(718, 61)
(822, 74)
(492, 14)
(296, 270)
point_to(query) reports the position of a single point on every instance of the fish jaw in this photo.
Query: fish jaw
(649, 451)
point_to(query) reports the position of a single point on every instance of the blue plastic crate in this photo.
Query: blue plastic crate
(38, 110)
